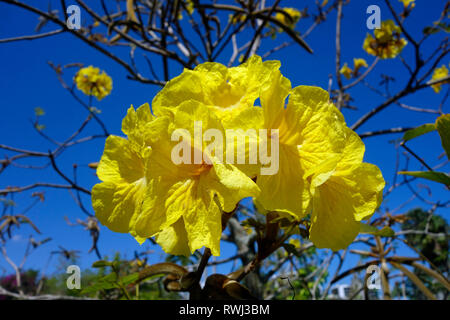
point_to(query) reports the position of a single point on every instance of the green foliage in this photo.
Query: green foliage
(384, 232)
(443, 127)
(416, 132)
(116, 279)
(435, 176)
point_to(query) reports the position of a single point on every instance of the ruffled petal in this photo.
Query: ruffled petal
(286, 190)
(174, 240)
(230, 185)
(320, 127)
(120, 162)
(273, 95)
(165, 201)
(333, 224)
(226, 91)
(203, 219)
(366, 183)
(134, 123)
(117, 205)
(353, 152)
(246, 126)
(345, 199)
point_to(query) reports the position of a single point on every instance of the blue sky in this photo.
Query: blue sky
(27, 82)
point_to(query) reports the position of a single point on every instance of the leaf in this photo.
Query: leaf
(101, 264)
(435, 176)
(413, 133)
(384, 232)
(38, 111)
(107, 282)
(100, 286)
(128, 279)
(430, 30)
(291, 249)
(444, 26)
(443, 128)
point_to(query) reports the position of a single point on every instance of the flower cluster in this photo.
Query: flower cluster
(93, 83)
(439, 73)
(321, 170)
(387, 43)
(407, 3)
(289, 17)
(347, 72)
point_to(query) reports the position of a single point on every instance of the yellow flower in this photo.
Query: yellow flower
(358, 63)
(236, 18)
(310, 130)
(189, 6)
(406, 3)
(351, 193)
(346, 71)
(387, 43)
(146, 192)
(439, 73)
(226, 91)
(289, 18)
(93, 83)
(196, 193)
(320, 163)
(117, 200)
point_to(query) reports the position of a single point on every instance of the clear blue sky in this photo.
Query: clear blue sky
(27, 82)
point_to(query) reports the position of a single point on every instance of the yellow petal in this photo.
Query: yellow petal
(203, 219)
(286, 190)
(224, 90)
(366, 183)
(230, 185)
(332, 221)
(165, 201)
(273, 95)
(346, 71)
(120, 162)
(321, 123)
(246, 125)
(117, 205)
(341, 202)
(174, 240)
(140, 240)
(133, 125)
(353, 152)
